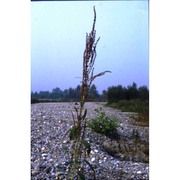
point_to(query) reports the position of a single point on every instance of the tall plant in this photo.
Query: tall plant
(80, 148)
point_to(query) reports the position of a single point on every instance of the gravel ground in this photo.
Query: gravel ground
(49, 123)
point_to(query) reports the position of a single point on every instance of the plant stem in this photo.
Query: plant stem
(79, 129)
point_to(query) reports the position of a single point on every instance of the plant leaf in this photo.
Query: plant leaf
(81, 175)
(65, 135)
(85, 112)
(73, 133)
(87, 146)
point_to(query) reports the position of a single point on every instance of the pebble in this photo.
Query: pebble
(93, 159)
(34, 173)
(139, 172)
(44, 154)
(49, 157)
(96, 151)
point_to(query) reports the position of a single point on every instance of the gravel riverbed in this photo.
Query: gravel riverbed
(120, 159)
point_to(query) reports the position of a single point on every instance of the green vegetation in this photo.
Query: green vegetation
(33, 101)
(119, 93)
(103, 124)
(58, 95)
(141, 107)
(112, 94)
(131, 99)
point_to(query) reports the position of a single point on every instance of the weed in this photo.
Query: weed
(103, 124)
(80, 148)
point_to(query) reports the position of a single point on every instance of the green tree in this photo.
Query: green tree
(132, 92)
(71, 94)
(93, 93)
(34, 95)
(114, 94)
(143, 93)
(56, 93)
(104, 95)
(44, 94)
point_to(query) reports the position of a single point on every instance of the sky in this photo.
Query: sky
(58, 34)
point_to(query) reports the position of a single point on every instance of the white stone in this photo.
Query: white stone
(44, 154)
(138, 172)
(92, 152)
(93, 159)
(96, 150)
(50, 160)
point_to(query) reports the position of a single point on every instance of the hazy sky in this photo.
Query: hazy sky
(58, 32)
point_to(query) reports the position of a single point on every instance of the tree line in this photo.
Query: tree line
(118, 93)
(112, 94)
(71, 94)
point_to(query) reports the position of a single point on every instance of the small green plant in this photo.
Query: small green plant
(104, 124)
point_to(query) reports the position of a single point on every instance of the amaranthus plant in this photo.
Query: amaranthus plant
(80, 148)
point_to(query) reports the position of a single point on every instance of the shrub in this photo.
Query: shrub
(33, 101)
(139, 106)
(103, 124)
